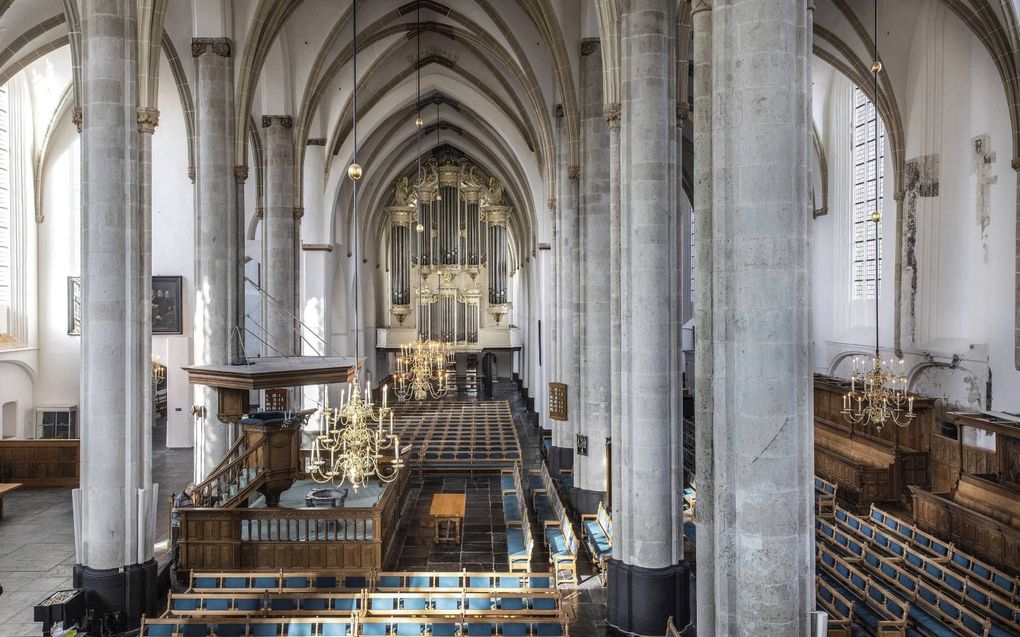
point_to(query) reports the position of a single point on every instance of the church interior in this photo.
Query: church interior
(515, 318)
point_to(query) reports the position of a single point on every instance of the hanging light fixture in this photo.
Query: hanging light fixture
(351, 442)
(422, 371)
(878, 392)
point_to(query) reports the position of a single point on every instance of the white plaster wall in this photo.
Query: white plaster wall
(16, 385)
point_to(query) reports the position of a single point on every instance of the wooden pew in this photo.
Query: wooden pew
(5, 488)
(598, 536)
(837, 606)
(825, 497)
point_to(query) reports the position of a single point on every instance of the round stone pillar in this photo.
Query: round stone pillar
(280, 237)
(648, 580)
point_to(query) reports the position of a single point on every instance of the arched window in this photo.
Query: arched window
(868, 186)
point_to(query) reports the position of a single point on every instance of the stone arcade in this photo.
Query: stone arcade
(640, 260)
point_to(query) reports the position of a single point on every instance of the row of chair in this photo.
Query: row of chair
(365, 604)
(920, 572)
(519, 541)
(354, 627)
(598, 537)
(372, 581)
(968, 565)
(825, 497)
(927, 607)
(560, 539)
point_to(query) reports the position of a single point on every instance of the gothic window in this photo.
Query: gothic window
(868, 184)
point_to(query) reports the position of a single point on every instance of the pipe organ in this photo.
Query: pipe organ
(449, 254)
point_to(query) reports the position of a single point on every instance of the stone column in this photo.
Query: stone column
(593, 419)
(611, 113)
(113, 551)
(566, 340)
(280, 236)
(701, 18)
(648, 580)
(217, 232)
(762, 499)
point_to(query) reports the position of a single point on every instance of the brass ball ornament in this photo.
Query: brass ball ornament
(354, 171)
(876, 216)
(419, 122)
(420, 228)
(876, 66)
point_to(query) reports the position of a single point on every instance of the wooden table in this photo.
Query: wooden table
(447, 511)
(7, 487)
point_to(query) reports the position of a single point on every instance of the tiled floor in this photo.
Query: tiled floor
(37, 542)
(37, 539)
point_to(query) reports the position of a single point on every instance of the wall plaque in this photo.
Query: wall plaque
(582, 445)
(277, 399)
(557, 401)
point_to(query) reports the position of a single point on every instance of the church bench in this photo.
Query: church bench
(253, 626)
(457, 580)
(598, 537)
(880, 613)
(277, 603)
(825, 497)
(837, 606)
(520, 545)
(930, 573)
(293, 581)
(562, 545)
(464, 602)
(520, 542)
(5, 488)
(451, 627)
(968, 565)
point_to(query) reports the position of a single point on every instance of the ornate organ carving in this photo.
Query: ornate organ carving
(450, 253)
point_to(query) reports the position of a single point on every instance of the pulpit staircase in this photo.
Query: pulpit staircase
(264, 459)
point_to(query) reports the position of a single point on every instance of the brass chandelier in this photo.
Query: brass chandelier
(421, 370)
(351, 443)
(877, 395)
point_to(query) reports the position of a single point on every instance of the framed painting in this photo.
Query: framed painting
(74, 306)
(167, 308)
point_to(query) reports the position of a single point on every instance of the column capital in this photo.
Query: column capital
(899, 195)
(612, 112)
(588, 45)
(282, 120)
(574, 173)
(551, 205)
(241, 174)
(191, 174)
(76, 118)
(299, 212)
(697, 6)
(316, 141)
(1015, 164)
(147, 119)
(260, 213)
(683, 110)
(218, 46)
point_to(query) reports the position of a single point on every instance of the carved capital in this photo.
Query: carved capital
(683, 109)
(612, 114)
(76, 118)
(1015, 164)
(697, 6)
(559, 111)
(191, 173)
(316, 141)
(259, 213)
(147, 119)
(551, 204)
(282, 120)
(299, 212)
(588, 45)
(899, 195)
(218, 46)
(573, 173)
(241, 174)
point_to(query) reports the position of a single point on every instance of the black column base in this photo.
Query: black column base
(122, 595)
(585, 501)
(560, 458)
(641, 600)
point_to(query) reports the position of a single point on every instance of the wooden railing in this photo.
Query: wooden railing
(223, 487)
(220, 539)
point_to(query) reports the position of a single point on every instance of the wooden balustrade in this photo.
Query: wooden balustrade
(275, 538)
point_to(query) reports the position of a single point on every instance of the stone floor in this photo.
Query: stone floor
(37, 541)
